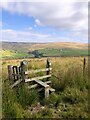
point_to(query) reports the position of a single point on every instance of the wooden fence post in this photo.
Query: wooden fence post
(48, 65)
(13, 72)
(84, 66)
(9, 72)
(47, 92)
(23, 68)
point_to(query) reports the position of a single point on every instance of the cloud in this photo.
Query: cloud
(68, 16)
(37, 21)
(32, 36)
(22, 36)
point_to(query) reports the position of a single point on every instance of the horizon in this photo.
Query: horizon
(44, 22)
(41, 42)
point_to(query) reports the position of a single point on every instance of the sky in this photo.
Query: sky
(44, 21)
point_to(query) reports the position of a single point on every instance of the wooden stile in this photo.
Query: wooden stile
(19, 74)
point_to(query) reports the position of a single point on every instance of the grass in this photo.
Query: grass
(14, 50)
(7, 54)
(69, 100)
(65, 52)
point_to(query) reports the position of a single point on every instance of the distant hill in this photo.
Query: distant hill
(32, 46)
(22, 49)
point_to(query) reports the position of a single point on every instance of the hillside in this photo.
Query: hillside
(21, 49)
(22, 46)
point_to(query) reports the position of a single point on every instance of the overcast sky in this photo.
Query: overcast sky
(44, 21)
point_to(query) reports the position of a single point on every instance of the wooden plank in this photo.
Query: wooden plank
(35, 85)
(42, 83)
(48, 82)
(32, 86)
(52, 90)
(40, 89)
(39, 70)
(37, 78)
(16, 83)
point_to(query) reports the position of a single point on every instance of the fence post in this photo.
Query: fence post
(15, 73)
(48, 65)
(47, 92)
(23, 68)
(9, 72)
(84, 66)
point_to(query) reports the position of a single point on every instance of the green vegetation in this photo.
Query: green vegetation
(16, 50)
(65, 52)
(14, 55)
(70, 100)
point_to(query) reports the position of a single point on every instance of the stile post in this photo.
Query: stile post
(9, 72)
(15, 73)
(23, 68)
(19, 72)
(47, 92)
(84, 66)
(48, 65)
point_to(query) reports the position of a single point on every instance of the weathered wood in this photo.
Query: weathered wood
(48, 65)
(36, 71)
(9, 72)
(35, 85)
(47, 92)
(37, 78)
(14, 72)
(48, 82)
(16, 83)
(20, 73)
(52, 90)
(32, 86)
(40, 89)
(41, 83)
(22, 70)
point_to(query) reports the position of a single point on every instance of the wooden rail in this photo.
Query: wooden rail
(37, 78)
(36, 71)
(36, 85)
(16, 83)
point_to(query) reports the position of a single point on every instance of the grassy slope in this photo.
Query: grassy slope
(20, 50)
(65, 52)
(71, 91)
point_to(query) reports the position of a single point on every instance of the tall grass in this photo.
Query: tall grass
(69, 100)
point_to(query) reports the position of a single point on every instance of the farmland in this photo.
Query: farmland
(70, 99)
(15, 50)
